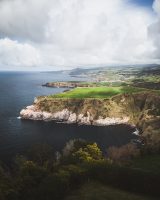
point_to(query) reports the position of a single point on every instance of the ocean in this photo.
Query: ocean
(18, 90)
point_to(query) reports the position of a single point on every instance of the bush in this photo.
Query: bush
(41, 153)
(88, 153)
(125, 178)
(59, 184)
(54, 186)
(152, 142)
(73, 145)
(29, 176)
(123, 153)
(7, 188)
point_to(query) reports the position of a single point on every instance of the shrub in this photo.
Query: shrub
(41, 154)
(123, 153)
(88, 153)
(73, 145)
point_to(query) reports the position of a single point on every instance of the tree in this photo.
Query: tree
(7, 189)
(28, 179)
(41, 153)
(88, 153)
(73, 145)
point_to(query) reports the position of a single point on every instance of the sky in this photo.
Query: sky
(55, 35)
(143, 2)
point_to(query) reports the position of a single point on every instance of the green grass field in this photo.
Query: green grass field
(97, 191)
(97, 92)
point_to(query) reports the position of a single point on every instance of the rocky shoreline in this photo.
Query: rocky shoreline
(67, 116)
(141, 110)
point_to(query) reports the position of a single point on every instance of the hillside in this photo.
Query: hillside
(141, 109)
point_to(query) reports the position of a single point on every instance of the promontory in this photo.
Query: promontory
(101, 106)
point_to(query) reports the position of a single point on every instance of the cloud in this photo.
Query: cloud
(14, 54)
(51, 33)
(24, 20)
(154, 31)
(156, 7)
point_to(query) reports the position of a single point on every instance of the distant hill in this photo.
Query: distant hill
(82, 71)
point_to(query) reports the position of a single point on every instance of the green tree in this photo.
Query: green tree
(70, 148)
(42, 154)
(28, 178)
(7, 189)
(73, 145)
(89, 153)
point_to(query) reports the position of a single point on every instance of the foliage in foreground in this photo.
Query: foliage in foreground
(44, 174)
(98, 191)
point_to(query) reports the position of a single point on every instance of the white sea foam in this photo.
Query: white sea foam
(136, 132)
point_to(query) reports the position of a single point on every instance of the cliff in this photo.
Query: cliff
(67, 84)
(139, 109)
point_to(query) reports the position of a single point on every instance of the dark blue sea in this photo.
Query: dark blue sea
(17, 90)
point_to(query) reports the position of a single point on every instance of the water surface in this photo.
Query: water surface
(17, 90)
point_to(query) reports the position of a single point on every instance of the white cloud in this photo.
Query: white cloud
(14, 54)
(77, 32)
(24, 20)
(154, 31)
(156, 6)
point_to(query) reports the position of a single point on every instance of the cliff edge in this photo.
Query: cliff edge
(139, 109)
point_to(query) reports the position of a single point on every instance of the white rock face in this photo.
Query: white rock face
(47, 116)
(111, 121)
(62, 115)
(85, 119)
(31, 112)
(72, 118)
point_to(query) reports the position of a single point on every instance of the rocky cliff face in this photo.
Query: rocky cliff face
(65, 115)
(141, 109)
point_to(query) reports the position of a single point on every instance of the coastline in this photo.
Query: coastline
(138, 110)
(32, 112)
(69, 117)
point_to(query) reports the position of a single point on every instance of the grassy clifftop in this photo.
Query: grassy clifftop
(97, 92)
(141, 107)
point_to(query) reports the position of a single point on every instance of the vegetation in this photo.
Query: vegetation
(135, 76)
(150, 78)
(80, 171)
(120, 154)
(142, 108)
(149, 163)
(97, 92)
(98, 191)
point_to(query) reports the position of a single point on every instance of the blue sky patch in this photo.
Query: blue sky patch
(143, 2)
